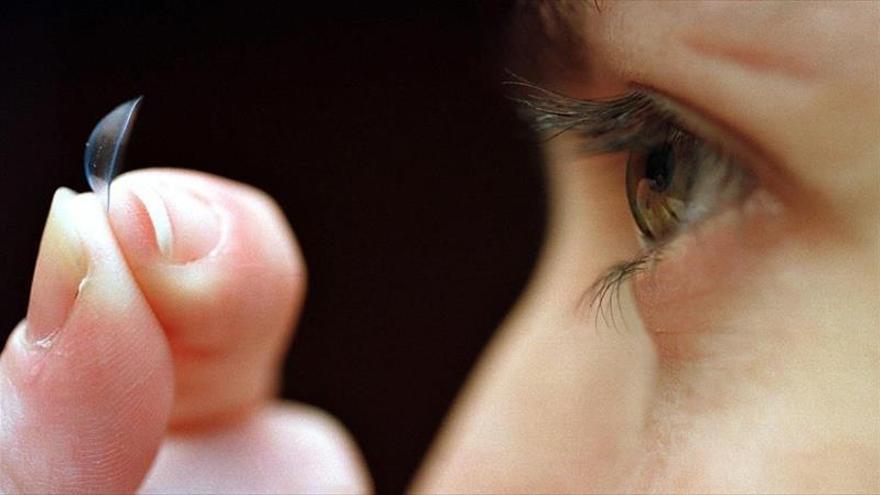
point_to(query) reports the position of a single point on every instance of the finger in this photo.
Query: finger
(281, 449)
(219, 266)
(86, 381)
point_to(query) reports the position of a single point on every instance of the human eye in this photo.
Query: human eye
(676, 179)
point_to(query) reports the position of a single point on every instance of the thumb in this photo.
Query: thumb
(86, 380)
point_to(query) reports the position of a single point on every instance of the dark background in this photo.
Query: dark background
(381, 131)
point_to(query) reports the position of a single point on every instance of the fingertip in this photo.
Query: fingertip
(89, 372)
(228, 305)
(282, 448)
(61, 266)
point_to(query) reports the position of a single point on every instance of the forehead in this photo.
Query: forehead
(800, 80)
(568, 37)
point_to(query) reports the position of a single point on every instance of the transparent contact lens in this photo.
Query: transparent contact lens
(106, 148)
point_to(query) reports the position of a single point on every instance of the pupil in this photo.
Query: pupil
(659, 167)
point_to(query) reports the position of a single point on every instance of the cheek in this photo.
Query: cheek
(714, 280)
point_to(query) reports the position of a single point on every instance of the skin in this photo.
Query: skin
(160, 360)
(748, 360)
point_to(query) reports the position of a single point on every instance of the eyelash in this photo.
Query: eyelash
(632, 122)
(606, 289)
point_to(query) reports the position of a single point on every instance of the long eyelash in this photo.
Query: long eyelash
(603, 297)
(617, 124)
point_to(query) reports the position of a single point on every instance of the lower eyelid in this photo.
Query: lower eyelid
(708, 255)
(714, 256)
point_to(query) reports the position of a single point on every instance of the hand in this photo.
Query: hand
(153, 337)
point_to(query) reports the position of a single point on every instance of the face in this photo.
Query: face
(705, 313)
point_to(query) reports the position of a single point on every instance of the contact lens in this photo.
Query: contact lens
(106, 148)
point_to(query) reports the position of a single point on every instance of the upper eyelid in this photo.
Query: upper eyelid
(548, 111)
(629, 122)
(641, 118)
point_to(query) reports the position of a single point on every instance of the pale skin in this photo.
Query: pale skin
(747, 361)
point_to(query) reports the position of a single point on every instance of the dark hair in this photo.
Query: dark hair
(546, 36)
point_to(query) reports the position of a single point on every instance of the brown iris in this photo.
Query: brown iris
(658, 189)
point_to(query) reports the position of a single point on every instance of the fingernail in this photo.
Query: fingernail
(62, 264)
(185, 225)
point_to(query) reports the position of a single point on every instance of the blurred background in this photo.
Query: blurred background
(383, 133)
